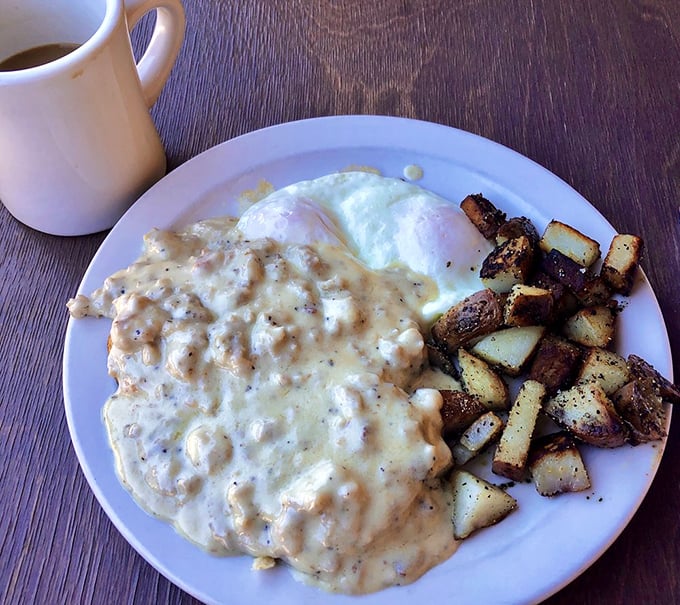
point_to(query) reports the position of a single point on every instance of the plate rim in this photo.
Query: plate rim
(278, 130)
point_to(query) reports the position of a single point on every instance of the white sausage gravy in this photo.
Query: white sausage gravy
(271, 400)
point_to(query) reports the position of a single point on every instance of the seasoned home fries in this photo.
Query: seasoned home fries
(305, 383)
(546, 319)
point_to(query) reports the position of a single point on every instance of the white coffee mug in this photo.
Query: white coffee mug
(77, 143)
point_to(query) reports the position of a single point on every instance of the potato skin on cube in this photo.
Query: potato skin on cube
(588, 289)
(587, 413)
(459, 410)
(513, 448)
(564, 270)
(643, 371)
(477, 503)
(642, 410)
(570, 242)
(594, 292)
(438, 358)
(565, 302)
(556, 465)
(621, 263)
(482, 214)
(555, 363)
(476, 315)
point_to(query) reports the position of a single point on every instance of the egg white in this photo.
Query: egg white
(385, 222)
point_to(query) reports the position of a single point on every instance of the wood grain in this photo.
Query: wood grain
(590, 90)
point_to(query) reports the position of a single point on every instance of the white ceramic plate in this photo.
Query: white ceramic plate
(530, 555)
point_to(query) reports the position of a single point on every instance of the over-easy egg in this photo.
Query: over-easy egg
(385, 222)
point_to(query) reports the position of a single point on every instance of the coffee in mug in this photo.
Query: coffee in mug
(38, 55)
(77, 142)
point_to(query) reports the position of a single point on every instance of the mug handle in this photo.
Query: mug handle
(168, 34)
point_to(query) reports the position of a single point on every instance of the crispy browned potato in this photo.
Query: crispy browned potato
(459, 410)
(556, 465)
(509, 349)
(476, 315)
(643, 371)
(565, 270)
(642, 409)
(587, 413)
(621, 263)
(595, 291)
(588, 289)
(479, 379)
(438, 358)
(570, 242)
(516, 227)
(591, 326)
(555, 363)
(565, 302)
(528, 306)
(508, 264)
(483, 214)
(513, 448)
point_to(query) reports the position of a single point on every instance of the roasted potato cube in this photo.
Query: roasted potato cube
(594, 292)
(477, 503)
(621, 263)
(528, 306)
(434, 378)
(509, 349)
(516, 227)
(459, 410)
(565, 270)
(480, 380)
(556, 465)
(483, 214)
(555, 363)
(513, 448)
(476, 315)
(565, 302)
(587, 413)
(461, 454)
(591, 326)
(587, 288)
(541, 279)
(642, 410)
(508, 264)
(606, 367)
(482, 432)
(645, 372)
(570, 242)
(438, 358)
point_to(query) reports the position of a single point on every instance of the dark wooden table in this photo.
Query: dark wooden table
(588, 89)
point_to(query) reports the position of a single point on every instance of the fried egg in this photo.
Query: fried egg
(385, 222)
